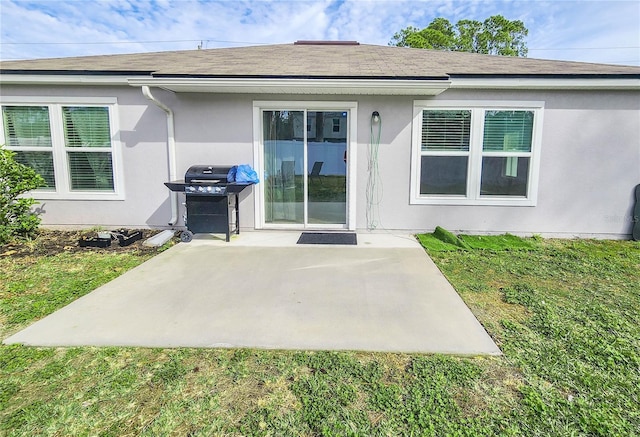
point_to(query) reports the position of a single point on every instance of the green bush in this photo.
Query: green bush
(16, 217)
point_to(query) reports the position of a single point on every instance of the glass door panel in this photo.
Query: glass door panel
(284, 171)
(327, 167)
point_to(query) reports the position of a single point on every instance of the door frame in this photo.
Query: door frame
(258, 156)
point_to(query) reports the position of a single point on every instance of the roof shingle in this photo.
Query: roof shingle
(316, 61)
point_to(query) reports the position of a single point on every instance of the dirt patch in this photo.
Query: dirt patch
(53, 242)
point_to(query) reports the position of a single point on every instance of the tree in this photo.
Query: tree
(495, 36)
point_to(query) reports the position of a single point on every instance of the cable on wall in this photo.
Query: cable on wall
(374, 183)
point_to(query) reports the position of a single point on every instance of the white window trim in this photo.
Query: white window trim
(55, 104)
(258, 152)
(475, 153)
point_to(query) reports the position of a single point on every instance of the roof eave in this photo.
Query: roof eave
(559, 82)
(364, 85)
(414, 87)
(67, 78)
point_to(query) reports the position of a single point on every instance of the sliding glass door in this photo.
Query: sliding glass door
(305, 167)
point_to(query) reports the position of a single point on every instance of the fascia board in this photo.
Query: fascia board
(545, 83)
(323, 86)
(297, 86)
(57, 79)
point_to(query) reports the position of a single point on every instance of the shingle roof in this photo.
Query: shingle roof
(316, 61)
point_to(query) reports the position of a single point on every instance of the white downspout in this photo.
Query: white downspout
(171, 150)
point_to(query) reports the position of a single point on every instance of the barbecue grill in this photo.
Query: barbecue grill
(211, 201)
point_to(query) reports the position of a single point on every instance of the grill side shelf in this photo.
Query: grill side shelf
(177, 186)
(180, 186)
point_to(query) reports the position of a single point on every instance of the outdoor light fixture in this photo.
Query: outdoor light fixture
(375, 116)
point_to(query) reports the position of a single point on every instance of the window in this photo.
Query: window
(27, 131)
(71, 145)
(506, 153)
(445, 152)
(336, 125)
(476, 154)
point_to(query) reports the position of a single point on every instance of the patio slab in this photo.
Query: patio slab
(262, 290)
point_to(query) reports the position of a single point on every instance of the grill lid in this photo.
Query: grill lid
(208, 173)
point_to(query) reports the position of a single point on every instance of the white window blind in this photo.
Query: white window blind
(445, 130)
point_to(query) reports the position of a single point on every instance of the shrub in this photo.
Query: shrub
(16, 217)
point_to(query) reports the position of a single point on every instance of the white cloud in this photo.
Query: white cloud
(126, 26)
(587, 31)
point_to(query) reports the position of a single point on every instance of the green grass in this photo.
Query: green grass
(35, 289)
(565, 313)
(442, 240)
(497, 242)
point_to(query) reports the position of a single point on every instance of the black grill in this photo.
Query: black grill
(211, 201)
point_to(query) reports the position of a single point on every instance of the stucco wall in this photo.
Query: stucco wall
(590, 160)
(590, 163)
(143, 136)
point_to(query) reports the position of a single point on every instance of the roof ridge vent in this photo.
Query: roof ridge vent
(325, 43)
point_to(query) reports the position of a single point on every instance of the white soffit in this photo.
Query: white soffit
(63, 79)
(298, 86)
(546, 83)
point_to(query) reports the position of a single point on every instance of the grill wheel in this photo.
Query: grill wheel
(186, 236)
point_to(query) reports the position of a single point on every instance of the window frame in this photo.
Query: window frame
(59, 149)
(476, 153)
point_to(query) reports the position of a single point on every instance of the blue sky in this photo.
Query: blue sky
(605, 31)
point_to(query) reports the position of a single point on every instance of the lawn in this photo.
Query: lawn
(566, 314)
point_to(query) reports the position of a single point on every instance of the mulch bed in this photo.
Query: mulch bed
(52, 242)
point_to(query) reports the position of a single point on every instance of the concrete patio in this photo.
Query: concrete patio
(262, 290)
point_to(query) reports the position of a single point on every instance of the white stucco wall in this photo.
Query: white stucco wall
(143, 137)
(590, 160)
(590, 164)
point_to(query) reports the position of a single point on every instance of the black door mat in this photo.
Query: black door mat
(328, 238)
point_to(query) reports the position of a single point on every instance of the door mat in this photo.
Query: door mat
(328, 238)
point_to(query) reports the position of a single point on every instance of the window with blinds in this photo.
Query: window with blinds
(475, 155)
(27, 126)
(445, 144)
(27, 132)
(69, 145)
(87, 133)
(86, 126)
(445, 130)
(506, 150)
(509, 131)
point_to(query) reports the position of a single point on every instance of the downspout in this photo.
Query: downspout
(171, 150)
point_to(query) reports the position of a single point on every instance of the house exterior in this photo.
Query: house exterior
(343, 136)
